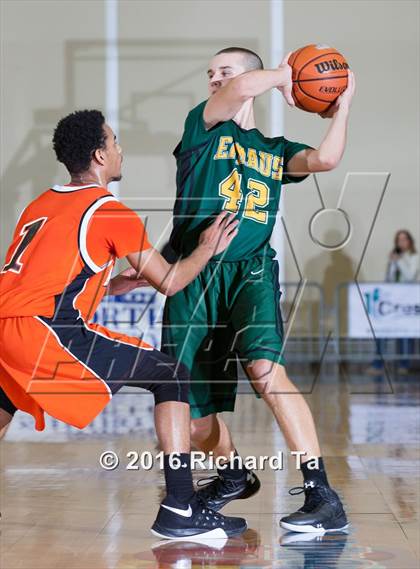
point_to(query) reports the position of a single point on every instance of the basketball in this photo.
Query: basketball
(319, 75)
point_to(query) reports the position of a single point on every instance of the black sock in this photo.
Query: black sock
(235, 470)
(317, 475)
(179, 482)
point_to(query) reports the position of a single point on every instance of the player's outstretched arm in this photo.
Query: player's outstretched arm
(227, 101)
(331, 149)
(169, 279)
(125, 282)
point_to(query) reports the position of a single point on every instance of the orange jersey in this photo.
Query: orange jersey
(51, 359)
(63, 251)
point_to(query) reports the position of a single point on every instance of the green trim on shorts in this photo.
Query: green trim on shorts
(198, 412)
(274, 357)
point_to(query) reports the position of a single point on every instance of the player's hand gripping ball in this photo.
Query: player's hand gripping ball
(319, 75)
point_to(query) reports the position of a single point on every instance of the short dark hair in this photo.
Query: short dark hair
(76, 137)
(253, 60)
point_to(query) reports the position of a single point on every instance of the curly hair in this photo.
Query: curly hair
(76, 137)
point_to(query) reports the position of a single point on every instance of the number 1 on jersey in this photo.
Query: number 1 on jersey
(28, 232)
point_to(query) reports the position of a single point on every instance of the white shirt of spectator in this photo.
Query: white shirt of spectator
(407, 266)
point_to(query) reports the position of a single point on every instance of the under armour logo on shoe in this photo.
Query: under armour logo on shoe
(310, 484)
(250, 477)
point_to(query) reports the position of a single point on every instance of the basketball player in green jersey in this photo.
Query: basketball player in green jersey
(231, 310)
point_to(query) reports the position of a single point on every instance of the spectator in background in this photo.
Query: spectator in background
(403, 267)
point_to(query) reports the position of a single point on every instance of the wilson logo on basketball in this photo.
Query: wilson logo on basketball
(331, 65)
(319, 74)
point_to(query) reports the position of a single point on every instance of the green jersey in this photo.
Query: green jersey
(229, 168)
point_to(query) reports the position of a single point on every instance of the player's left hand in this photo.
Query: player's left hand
(125, 282)
(344, 100)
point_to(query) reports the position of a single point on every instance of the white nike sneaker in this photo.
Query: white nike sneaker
(175, 521)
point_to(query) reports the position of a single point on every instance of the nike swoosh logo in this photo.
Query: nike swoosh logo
(256, 272)
(184, 513)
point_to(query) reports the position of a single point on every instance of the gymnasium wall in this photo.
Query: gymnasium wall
(381, 40)
(53, 61)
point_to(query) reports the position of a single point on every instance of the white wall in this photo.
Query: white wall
(41, 82)
(381, 41)
(52, 56)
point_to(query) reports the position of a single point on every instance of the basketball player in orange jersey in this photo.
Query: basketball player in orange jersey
(57, 269)
(225, 162)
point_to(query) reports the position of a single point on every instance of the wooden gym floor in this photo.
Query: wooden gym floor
(61, 510)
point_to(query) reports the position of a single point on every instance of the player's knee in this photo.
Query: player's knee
(5, 418)
(183, 378)
(260, 370)
(174, 388)
(267, 376)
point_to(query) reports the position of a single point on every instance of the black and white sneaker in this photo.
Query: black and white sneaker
(322, 511)
(220, 491)
(174, 521)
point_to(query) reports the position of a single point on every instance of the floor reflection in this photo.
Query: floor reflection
(317, 551)
(338, 550)
(241, 551)
(60, 510)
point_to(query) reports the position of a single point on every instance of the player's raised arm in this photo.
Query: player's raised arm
(169, 279)
(229, 90)
(331, 149)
